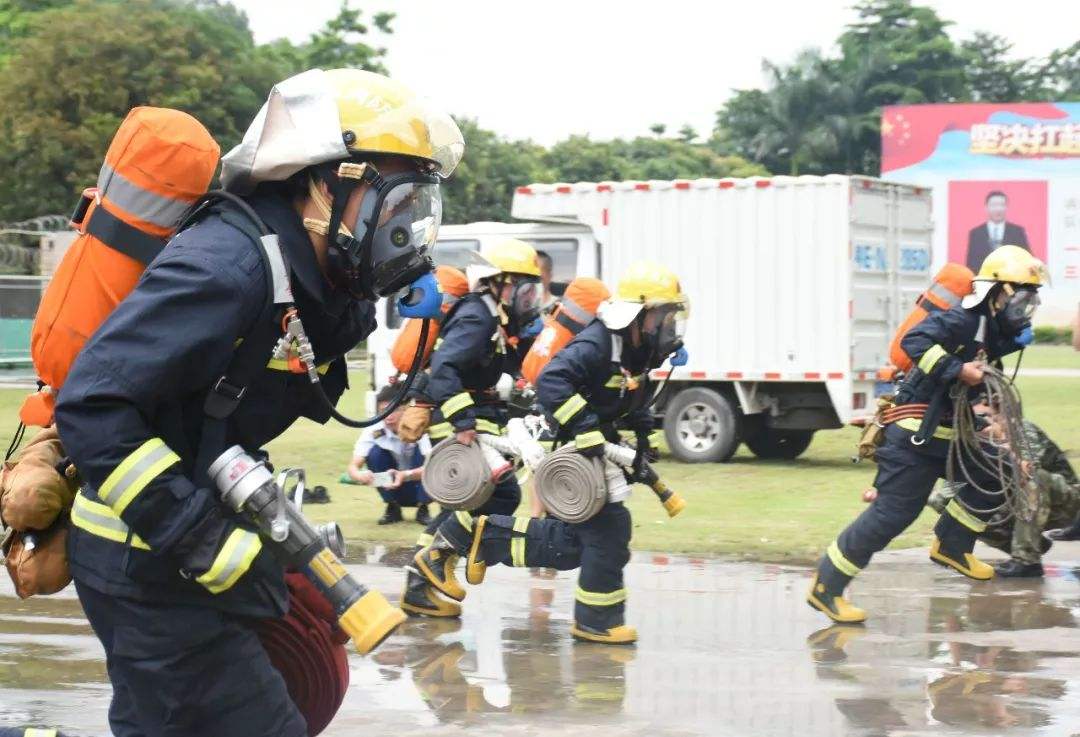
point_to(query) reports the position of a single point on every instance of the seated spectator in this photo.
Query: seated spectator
(379, 450)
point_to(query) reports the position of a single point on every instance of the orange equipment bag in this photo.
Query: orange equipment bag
(576, 309)
(159, 163)
(950, 285)
(454, 286)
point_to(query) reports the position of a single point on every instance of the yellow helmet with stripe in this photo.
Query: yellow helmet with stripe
(513, 256)
(644, 284)
(378, 115)
(649, 283)
(318, 117)
(1010, 265)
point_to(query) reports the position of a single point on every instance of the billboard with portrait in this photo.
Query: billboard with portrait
(1001, 174)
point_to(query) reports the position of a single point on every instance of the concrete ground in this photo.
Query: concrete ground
(726, 649)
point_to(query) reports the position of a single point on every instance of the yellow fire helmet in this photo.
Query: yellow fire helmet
(1009, 264)
(321, 116)
(645, 284)
(510, 256)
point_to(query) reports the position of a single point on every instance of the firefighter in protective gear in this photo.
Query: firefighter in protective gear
(167, 575)
(472, 353)
(947, 347)
(596, 384)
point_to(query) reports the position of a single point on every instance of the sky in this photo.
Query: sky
(612, 68)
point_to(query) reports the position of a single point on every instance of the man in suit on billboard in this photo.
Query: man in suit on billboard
(994, 232)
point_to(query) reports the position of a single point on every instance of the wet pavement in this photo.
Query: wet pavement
(725, 649)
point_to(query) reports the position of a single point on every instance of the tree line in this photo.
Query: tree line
(71, 69)
(820, 113)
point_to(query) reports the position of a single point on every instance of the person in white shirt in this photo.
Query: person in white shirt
(379, 450)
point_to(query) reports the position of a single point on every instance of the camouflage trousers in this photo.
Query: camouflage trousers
(1056, 504)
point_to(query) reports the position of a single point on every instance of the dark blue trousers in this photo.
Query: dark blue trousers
(504, 500)
(906, 475)
(599, 546)
(179, 671)
(409, 494)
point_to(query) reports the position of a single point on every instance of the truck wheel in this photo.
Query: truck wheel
(701, 426)
(779, 444)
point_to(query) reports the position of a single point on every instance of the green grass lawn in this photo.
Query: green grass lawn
(780, 511)
(1047, 357)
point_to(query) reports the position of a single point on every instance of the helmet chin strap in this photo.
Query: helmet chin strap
(323, 205)
(495, 289)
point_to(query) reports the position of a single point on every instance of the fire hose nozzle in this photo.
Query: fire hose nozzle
(672, 501)
(623, 456)
(248, 487)
(370, 620)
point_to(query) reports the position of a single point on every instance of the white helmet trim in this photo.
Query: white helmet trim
(617, 314)
(298, 126)
(981, 287)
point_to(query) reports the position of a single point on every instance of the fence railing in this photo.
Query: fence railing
(19, 300)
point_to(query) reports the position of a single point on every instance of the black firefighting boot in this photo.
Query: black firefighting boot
(827, 594)
(1013, 568)
(954, 541)
(420, 598)
(391, 515)
(423, 516)
(436, 562)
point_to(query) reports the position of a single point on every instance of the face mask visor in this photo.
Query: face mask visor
(525, 299)
(400, 238)
(664, 327)
(1020, 309)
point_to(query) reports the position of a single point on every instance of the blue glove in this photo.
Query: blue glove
(680, 357)
(532, 329)
(1026, 337)
(423, 300)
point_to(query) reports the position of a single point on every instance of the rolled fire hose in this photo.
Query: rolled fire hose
(571, 486)
(308, 650)
(463, 477)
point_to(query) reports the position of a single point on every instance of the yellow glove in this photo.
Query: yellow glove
(415, 421)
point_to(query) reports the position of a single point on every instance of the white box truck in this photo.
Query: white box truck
(796, 286)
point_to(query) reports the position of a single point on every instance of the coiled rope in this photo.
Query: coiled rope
(1002, 459)
(571, 486)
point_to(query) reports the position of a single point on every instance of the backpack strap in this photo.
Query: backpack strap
(569, 323)
(122, 237)
(251, 355)
(229, 390)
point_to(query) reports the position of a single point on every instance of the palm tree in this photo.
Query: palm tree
(792, 126)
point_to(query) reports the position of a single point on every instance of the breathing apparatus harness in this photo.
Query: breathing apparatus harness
(422, 300)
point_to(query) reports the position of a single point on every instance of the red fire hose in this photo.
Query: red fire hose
(308, 649)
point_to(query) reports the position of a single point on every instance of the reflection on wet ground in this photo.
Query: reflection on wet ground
(726, 648)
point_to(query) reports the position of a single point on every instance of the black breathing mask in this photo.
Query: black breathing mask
(662, 330)
(524, 303)
(388, 245)
(1018, 310)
